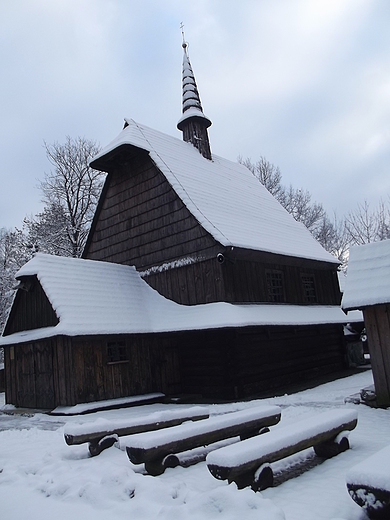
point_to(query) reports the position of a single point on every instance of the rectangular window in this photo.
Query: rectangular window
(275, 286)
(116, 352)
(309, 288)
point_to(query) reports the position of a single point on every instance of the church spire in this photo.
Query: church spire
(193, 123)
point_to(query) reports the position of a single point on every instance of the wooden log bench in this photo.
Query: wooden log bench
(248, 462)
(368, 484)
(154, 448)
(104, 434)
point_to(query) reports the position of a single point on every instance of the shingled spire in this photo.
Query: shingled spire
(193, 123)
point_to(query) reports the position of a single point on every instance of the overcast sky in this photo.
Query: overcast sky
(305, 83)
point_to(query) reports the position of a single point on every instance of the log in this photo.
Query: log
(235, 463)
(154, 421)
(155, 446)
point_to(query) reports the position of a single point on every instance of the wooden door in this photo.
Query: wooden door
(34, 374)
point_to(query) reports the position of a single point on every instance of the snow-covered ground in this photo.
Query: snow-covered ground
(41, 477)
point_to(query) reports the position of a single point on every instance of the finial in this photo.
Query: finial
(184, 44)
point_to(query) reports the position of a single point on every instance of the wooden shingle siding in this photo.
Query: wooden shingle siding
(142, 221)
(31, 310)
(191, 284)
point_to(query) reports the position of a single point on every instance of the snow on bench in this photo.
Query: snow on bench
(152, 448)
(102, 434)
(109, 404)
(247, 463)
(368, 484)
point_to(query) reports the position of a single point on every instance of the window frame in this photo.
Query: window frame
(309, 286)
(116, 352)
(276, 293)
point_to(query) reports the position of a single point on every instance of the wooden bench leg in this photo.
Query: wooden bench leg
(263, 478)
(155, 467)
(95, 448)
(329, 449)
(171, 461)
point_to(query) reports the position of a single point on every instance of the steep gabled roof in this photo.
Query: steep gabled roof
(225, 197)
(91, 297)
(368, 278)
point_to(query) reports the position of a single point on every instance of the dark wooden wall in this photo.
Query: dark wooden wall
(2, 380)
(288, 355)
(151, 366)
(31, 309)
(29, 378)
(217, 364)
(142, 222)
(242, 282)
(66, 371)
(377, 322)
(243, 362)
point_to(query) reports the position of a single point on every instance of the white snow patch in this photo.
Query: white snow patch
(42, 477)
(368, 279)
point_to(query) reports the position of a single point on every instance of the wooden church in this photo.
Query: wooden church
(248, 300)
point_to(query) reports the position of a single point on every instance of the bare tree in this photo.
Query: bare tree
(74, 186)
(362, 224)
(13, 255)
(333, 237)
(296, 201)
(267, 173)
(47, 231)
(383, 220)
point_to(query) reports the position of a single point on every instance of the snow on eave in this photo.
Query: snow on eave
(101, 298)
(209, 316)
(368, 278)
(225, 197)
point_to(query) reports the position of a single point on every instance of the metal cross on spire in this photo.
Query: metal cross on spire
(184, 44)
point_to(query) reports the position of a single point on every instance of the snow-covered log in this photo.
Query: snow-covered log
(247, 463)
(93, 433)
(151, 448)
(368, 484)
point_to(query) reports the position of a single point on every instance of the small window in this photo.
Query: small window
(116, 352)
(275, 286)
(309, 288)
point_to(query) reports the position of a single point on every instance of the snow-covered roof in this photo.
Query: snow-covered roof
(368, 279)
(91, 297)
(224, 196)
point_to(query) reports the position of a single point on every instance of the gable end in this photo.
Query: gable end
(31, 308)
